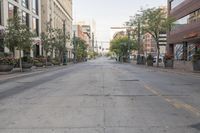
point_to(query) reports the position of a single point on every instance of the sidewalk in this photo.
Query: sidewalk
(34, 70)
(162, 69)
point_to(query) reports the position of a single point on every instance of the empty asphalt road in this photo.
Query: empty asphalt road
(101, 96)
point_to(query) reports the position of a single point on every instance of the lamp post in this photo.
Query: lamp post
(139, 59)
(128, 32)
(74, 45)
(65, 49)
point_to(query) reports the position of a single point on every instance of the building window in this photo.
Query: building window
(35, 26)
(35, 6)
(25, 18)
(25, 3)
(175, 3)
(12, 10)
(189, 19)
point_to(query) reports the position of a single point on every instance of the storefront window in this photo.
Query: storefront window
(179, 50)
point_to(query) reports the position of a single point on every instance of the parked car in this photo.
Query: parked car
(160, 59)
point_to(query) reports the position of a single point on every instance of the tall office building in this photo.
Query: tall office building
(29, 11)
(184, 36)
(58, 13)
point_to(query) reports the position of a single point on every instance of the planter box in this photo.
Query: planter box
(6, 68)
(26, 65)
(141, 60)
(169, 64)
(48, 64)
(149, 62)
(39, 64)
(196, 65)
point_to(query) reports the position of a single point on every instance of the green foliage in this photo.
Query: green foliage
(81, 49)
(150, 57)
(55, 61)
(54, 39)
(7, 61)
(120, 45)
(109, 54)
(46, 42)
(59, 42)
(155, 21)
(27, 59)
(18, 35)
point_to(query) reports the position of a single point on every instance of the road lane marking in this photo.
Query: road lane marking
(177, 104)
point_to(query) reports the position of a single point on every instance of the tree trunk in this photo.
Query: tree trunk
(158, 54)
(20, 60)
(46, 58)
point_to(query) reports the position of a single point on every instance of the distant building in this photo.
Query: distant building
(149, 45)
(79, 32)
(88, 31)
(57, 13)
(30, 13)
(184, 37)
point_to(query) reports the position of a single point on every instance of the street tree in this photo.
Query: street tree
(18, 36)
(81, 49)
(60, 46)
(155, 21)
(119, 46)
(46, 44)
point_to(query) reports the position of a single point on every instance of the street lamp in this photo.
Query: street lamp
(74, 46)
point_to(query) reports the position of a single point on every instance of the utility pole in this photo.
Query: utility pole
(65, 50)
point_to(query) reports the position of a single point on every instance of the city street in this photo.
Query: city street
(101, 96)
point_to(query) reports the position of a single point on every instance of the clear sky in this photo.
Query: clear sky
(108, 13)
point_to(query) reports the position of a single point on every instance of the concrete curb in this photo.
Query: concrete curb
(195, 74)
(17, 74)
